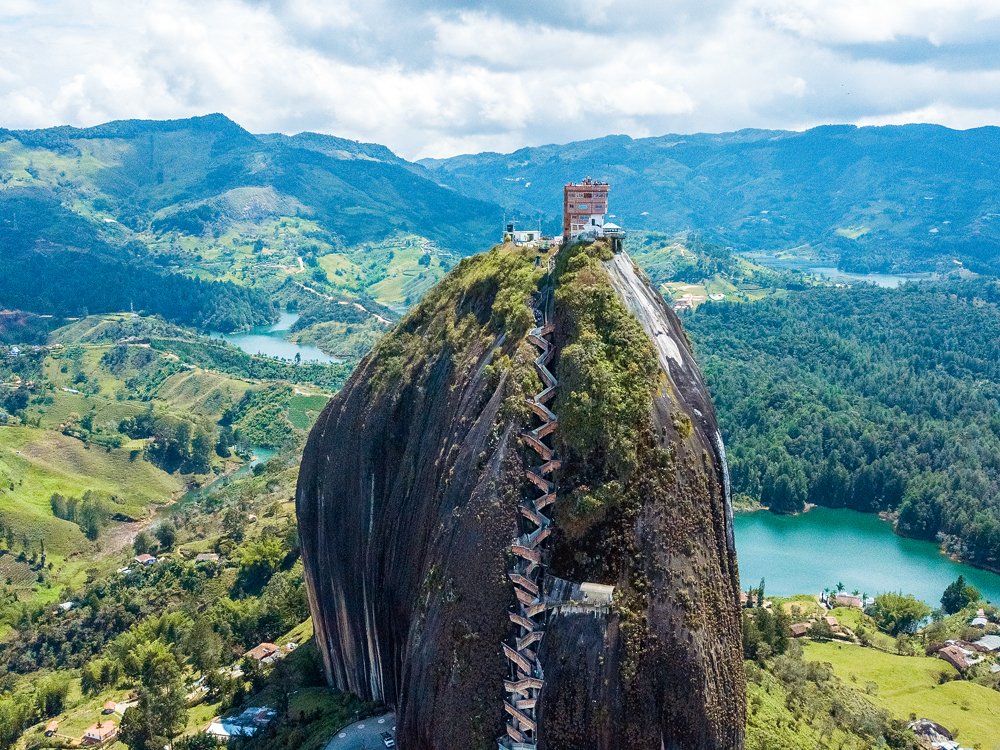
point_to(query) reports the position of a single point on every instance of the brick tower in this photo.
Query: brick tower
(584, 207)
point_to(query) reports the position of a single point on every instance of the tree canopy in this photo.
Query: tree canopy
(865, 398)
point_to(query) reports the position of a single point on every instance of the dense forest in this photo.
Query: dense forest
(56, 263)
(867, 398)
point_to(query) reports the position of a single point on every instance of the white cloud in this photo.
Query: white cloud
(855, 21)
(442, 76)
(939, 114)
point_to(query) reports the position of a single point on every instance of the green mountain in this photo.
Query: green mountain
(913, 197)
(143, 212)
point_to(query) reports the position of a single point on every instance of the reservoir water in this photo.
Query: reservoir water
(260, 455)
(807, 553)
(272, 341)
(889, 281)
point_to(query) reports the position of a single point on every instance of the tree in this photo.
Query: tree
(142, 543)
(50, 694)
(166, 535)
(133, 731)
(895, 613)
(783, 489)
(204, 646)
(821, 630)
(958, 595)
(234, 522)
(90, 679)
(162, 697)
(760, 593)
(259, 561)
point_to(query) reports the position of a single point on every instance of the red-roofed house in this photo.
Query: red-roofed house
(954, 655)
(99, 733)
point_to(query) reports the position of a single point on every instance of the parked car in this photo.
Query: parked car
(387, 740)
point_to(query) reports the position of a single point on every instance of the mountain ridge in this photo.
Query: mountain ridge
(854, 193)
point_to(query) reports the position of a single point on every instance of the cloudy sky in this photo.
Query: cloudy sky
(442, 77)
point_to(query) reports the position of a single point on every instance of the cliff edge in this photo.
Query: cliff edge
(515, 518)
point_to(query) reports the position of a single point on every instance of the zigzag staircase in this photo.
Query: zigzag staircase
(528, 615)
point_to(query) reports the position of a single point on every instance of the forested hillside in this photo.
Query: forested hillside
(874, 198)
(868, 398)
(145, 213)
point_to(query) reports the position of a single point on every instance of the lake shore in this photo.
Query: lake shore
(810, 551)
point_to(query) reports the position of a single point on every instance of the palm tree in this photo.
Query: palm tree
(840, 588)
(855, 592)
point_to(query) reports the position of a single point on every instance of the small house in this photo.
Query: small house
(954, 655)
(51, 727)
(799, 629)
(264, 653)
(252, 518)
(832, 622)
(207, 557)
(99, 733)
(109, 707)
(847, 600)
(145, 559)
(597, 593)
(66, 606)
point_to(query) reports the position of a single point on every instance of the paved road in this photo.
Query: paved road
(364, 735)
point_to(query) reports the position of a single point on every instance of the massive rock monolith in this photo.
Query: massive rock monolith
(417, 504)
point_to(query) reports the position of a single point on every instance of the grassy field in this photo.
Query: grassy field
(406, 280)
(43, 462)
(304, 410)
(201, 392)
(910, 685)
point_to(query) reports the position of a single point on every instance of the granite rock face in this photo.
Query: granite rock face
(407, 503)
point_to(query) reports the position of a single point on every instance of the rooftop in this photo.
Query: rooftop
(262, 651)
(102, 730)
(990, 642)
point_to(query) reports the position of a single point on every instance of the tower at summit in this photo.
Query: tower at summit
(584, 207)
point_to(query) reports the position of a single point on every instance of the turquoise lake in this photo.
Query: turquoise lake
(271, 341)
(806, 553)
